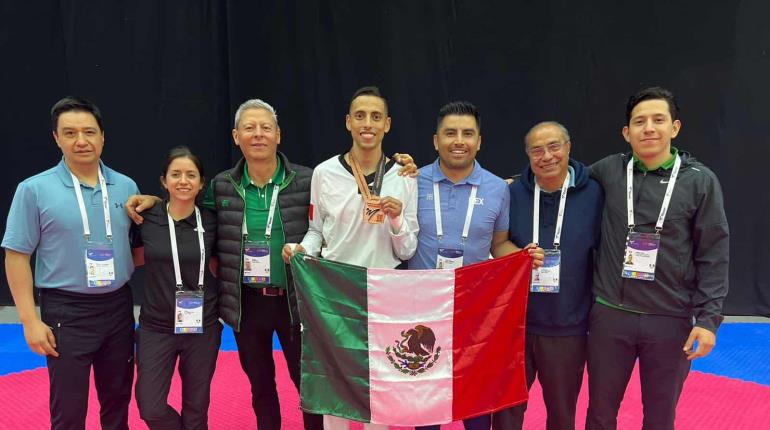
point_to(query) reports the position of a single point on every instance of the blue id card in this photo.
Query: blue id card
(641, 255)
(256, 263)
(188, 312)
(448, 258)
(100, 264)
(545, 279)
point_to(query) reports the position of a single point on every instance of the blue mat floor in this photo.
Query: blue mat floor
(742, 352)
(15, 356)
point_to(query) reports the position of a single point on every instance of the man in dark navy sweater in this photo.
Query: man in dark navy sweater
(568, 220)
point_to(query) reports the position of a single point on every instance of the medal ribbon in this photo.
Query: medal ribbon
(363, 187)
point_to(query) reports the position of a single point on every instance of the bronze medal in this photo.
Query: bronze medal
(373, 211)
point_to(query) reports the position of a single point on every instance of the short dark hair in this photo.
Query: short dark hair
(370, 90)
(74, 104)
(182, 152)
(653, 93)
(459, 108)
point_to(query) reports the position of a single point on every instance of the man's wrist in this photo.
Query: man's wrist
(708, 327)
(26, 319)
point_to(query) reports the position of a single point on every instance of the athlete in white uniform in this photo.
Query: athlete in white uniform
(361, 211)
(337, 229)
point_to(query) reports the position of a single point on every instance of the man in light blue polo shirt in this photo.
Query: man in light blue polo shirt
(452, 232)
(72, 216)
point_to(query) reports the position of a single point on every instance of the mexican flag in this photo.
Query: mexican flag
(412, 347)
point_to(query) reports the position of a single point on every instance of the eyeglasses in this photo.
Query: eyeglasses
(539, 151)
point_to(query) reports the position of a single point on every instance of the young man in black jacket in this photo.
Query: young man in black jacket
(661, 272)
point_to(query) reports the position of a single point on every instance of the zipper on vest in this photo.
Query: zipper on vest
(242, 194)
(286, 181)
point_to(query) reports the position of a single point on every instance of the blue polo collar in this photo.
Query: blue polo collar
(63, 172)
(473, 179)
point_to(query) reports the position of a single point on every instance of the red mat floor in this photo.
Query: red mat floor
(709, 402)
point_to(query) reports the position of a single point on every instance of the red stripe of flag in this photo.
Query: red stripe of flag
(488, 339)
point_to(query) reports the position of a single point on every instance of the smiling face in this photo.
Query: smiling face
(548, 152)
(257, 135)
(457, 141)
(650, 131)
(80, 138)
(182, 180)
(368, 121)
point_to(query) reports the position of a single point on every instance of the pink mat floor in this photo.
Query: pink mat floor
(709, 402)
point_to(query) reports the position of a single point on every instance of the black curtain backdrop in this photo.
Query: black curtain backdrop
(170, 73)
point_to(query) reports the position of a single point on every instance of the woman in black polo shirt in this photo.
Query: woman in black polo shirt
(179, 317)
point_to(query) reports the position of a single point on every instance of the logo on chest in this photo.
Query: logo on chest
(479, 201)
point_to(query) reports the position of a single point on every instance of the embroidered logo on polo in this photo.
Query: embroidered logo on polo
(416, 352)
(479, 201)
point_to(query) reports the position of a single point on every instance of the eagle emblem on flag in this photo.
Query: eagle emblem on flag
(416, 352)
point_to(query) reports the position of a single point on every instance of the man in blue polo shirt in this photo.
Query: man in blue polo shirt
(454, 233)
(73, 218)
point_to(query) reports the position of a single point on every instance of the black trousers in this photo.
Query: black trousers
(615, 340)
(156, 357)
(260, 317)
(91, 330)
(558, 362)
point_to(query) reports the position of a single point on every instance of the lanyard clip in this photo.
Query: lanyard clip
(179, 287)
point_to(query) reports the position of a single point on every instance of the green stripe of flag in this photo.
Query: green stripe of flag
(332, 302)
